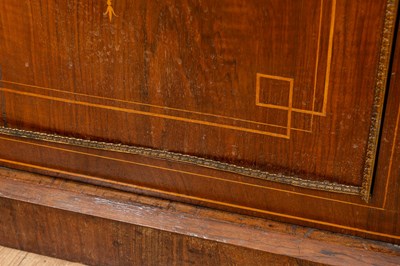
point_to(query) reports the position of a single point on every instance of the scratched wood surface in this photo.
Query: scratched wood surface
(253, 83)
(107, 227)
(281, 86)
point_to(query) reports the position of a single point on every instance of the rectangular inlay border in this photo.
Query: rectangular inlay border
(364, 191)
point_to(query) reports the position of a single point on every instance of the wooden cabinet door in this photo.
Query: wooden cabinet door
(272, 108)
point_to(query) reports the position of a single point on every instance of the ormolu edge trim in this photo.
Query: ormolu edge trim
(183, 158)
(379, 97)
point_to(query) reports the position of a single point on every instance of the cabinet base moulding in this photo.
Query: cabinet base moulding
(101, 226)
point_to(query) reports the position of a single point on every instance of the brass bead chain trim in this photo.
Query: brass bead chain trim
(380, 89)
(183, 158)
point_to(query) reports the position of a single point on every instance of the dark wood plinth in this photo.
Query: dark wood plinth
(101, 226)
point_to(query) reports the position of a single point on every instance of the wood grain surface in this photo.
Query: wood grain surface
(13, 257)
(182, 76)
(100, 226)
(287, 87)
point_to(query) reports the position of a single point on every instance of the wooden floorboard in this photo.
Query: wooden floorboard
(14, 257)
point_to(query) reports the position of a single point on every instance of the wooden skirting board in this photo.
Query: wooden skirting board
(101, 226)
